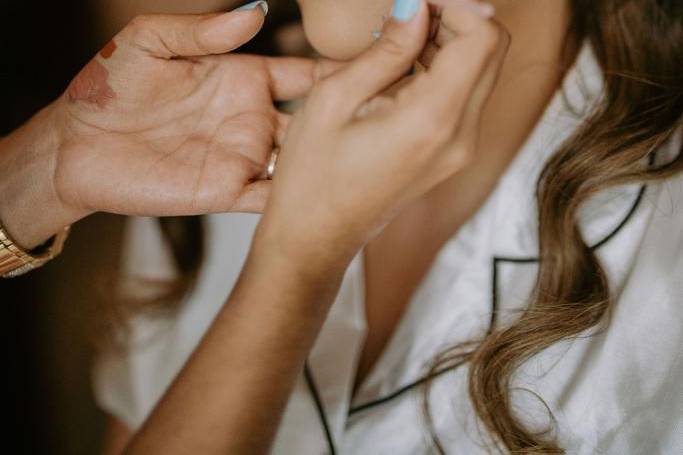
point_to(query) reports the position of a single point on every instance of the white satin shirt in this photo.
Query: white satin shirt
(619, 392)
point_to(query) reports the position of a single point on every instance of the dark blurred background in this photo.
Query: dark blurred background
(44, 316)
(47, 318)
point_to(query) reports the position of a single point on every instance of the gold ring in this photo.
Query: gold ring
(272, 164)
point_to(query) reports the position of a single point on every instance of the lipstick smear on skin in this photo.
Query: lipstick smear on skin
(92, 83)
(108, 50)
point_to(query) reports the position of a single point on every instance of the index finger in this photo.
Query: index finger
(292, 77)
(461, 64)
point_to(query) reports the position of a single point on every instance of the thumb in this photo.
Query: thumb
(253, 198)
(390, 58)
(172, 36)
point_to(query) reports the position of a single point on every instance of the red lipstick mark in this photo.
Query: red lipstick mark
(91, 86)
(108, 50)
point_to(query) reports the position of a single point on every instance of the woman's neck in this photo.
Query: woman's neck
(403, 253)
(540, 33)
(537, 61)
(532, 74)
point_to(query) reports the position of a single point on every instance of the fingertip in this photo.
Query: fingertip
(259, 5)
(405, 10)
(465, 16)
(409, 34)
(225, 32)
(483, 10)
(386, 62)
(406, 14)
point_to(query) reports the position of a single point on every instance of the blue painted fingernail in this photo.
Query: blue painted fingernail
(405, 10)
(253, 5)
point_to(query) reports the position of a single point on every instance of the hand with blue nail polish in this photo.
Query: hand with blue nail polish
(405, 10)
(340, 178)
(354, 158)
(455, 16)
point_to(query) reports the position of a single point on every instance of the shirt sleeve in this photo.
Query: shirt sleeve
(129, 381)
(116, 372)
(145, 256)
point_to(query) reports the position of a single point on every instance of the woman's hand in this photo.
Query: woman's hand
(348, 163)
(159, 123)
(352, 160)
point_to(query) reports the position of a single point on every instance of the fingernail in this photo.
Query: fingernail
(405, 10)
(483, 9)
(253, 5)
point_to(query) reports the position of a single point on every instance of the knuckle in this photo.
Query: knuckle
(440, 132)
(506, 36)
(392, 48)
(139, 23)
(466, 152)
(440, 122)
(318, 71)
(430, 131)
(324, 92)
(489, 37)
(460, 156)
(325, 98)
(139, 29)
(455, 155)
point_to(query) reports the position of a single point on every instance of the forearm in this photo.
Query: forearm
(231, 395)
(30, 208)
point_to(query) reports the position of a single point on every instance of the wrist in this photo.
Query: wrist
(31, 210)
(312, 261)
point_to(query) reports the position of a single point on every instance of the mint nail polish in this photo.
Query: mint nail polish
(253, 5)
(405, 10)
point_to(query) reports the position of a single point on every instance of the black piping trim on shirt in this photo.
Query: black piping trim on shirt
(494, 303)
(401, 391)
(510, 260)
(308, 375)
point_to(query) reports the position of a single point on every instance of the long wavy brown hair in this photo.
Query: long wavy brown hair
(639, 44)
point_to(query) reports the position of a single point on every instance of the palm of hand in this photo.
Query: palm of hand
(179, 137)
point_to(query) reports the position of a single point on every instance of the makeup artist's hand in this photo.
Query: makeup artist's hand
(161, 122)
(351, 161)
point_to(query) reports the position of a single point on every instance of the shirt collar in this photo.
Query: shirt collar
(515, 199)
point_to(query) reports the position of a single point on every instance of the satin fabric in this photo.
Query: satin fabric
(618, 392)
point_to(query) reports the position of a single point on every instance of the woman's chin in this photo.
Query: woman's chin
(342, 30)
(331, 46)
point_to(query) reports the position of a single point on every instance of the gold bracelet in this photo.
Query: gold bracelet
(14, 261)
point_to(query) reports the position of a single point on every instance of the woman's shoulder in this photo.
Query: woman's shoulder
(146, 252)
(129, 380)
